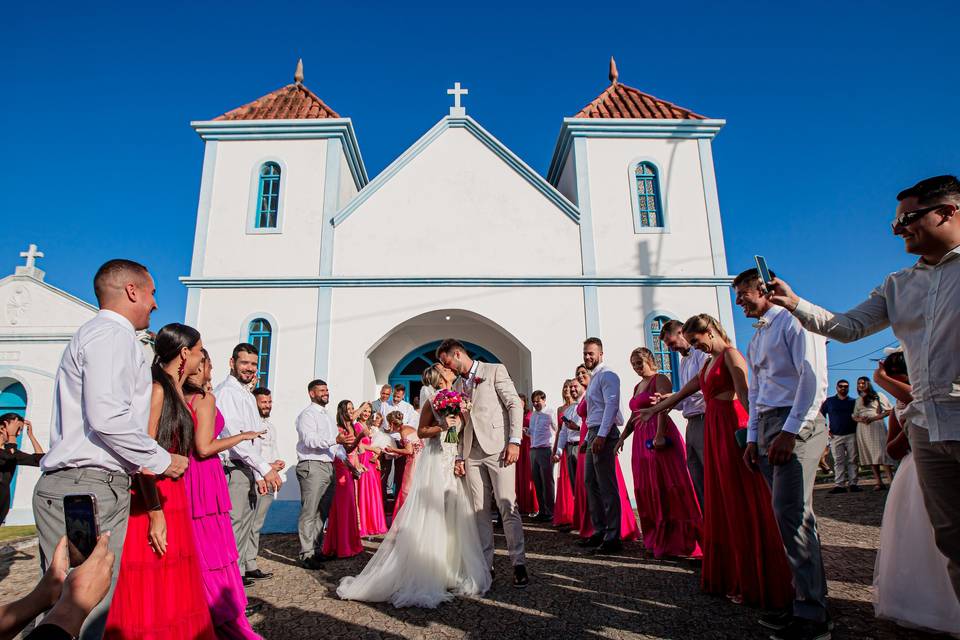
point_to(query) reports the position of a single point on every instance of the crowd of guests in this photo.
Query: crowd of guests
(182, 472)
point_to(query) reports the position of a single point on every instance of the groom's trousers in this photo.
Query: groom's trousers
(487, 480)
(603, 494)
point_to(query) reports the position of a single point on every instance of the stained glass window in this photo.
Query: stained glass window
(668, 362)
(649, 211)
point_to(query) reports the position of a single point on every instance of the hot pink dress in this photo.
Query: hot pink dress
(563, 505)
(526, 491)
(666, 503)
(628, 522)
(408, 469)
(209, 500)
(373, 521)
(342, 538)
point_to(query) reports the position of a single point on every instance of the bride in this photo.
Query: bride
(432, 550)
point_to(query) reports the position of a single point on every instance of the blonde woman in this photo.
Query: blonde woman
(563, 505)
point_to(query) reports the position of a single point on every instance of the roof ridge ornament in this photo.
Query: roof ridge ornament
(614, 74)
(456, 110)
(298, 74)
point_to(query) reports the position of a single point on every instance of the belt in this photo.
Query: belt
(91, 473)
(774, 410)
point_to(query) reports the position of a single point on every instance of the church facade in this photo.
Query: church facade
(296, 251)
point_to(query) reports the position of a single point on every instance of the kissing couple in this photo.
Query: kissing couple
(441, 541)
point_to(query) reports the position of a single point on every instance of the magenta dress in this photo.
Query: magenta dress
(666, 503)
(629, 530)
(563, 505)
(373, 521)
(407, 471)
(342, 538)
(209, 500)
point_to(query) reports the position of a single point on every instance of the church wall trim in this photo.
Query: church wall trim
(457, 281)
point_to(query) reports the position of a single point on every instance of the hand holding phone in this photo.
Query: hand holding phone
(80, 518)
(764, 272)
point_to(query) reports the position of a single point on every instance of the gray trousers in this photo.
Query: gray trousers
(316, 495)
(541, 466)
(243, 501)
(259, 517)
(845, 459)
(694, 438)
(938, 468)
(573, 455)
(112, 492)
(791, 485)
(603, 494)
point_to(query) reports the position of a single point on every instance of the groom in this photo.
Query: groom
(489, 447)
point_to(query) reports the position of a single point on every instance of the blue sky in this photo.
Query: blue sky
(831, 108)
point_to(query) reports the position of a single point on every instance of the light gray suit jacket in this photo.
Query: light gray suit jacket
(497, 414)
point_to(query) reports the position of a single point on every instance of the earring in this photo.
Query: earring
(183, 363)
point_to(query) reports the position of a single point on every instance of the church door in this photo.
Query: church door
(410, 368)
(13, 399)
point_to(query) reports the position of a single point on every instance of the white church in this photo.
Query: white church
(622, 233)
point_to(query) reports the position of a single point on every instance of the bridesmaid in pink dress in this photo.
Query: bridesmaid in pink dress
(342, 538)
(670, 517)
(209, 501)
(373, 521)
(411, 447)
(629, 530)
(563, 505)
(526, 491)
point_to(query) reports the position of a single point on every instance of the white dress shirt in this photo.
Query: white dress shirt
(542, 429)
(239, 409)
(317, 435)
(403, 407)
(562, 440)
(788, 368)
(922, 305)
(101, 402)
(690, 366)
(603, 400)
(571, 436)
(266, 445)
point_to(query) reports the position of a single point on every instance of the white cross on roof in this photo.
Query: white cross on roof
(456, 92)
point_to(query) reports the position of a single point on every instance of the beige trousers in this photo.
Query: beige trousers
(487, 480)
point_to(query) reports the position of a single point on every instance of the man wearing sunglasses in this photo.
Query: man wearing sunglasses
(922, 305)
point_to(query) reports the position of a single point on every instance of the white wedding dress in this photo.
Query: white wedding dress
(432, 550)
(910, 582)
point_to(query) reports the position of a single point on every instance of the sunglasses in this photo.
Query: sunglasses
(907, 218)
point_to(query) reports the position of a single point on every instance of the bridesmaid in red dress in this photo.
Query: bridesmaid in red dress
(160, 568)
(629, 530)
(373, 521)
(412, 446)
(342, 538)
(526, 492)
(563, 505)
(743, 556)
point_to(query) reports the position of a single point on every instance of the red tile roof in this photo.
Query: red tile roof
(292, 102)
(621, 101)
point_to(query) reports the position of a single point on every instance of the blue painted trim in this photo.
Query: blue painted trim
(588, 248)
(591, 311)
(253, 209)
(274, 335)
(387, 281)
(635, 197)
(498, 148)
(331, 202)
(321, 354)
(428, 350)
(203, 208)
(625, 128)
(312, 129)
(37, 338)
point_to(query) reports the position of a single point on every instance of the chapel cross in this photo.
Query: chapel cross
(31, 254)
(456, 92)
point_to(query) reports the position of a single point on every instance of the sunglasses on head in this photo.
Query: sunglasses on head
(907, 218)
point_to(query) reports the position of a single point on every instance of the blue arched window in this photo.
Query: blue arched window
(410, 368)
(268, 196)
(260, 335)
(668, 362)
(647, 203)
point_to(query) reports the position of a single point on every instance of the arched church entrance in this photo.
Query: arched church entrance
(13, 399)
(409, 370)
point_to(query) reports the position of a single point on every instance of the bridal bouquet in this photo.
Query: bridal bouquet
(449, 403)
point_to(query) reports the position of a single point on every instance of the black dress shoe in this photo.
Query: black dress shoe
(251, 609)
(608, 547)
(837, 490)
(592, 542)
(313, 562)
(542, 517)
(855, 489)
(247, 582)
(520, 578)
(776, 620)
(257, 574)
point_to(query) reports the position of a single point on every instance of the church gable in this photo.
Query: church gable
(458, 181)
(28, 305)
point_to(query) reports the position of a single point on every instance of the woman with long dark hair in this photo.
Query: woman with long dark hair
(342, 539)
(209, 501)
(869, 413)
(159, 590)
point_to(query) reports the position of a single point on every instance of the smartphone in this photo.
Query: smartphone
(80, 516)
(764, 271)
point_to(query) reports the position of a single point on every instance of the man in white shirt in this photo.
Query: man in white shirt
(386, 391)
(248, 474)
(101, 406)
(319, 442)
(788, 383)
(922, 305)
(542, 430)
(569, 438)
(391, 477)
(692, 408)
(603, 422)
(266, 447)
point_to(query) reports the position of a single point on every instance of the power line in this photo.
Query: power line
(834, 366)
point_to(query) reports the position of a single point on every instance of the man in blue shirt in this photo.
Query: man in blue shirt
(838, 410)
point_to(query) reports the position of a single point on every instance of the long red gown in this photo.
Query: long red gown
(563, 505)
(160, 597)
(669, 514)
(743, 555)
(526, 492)
(342, 538)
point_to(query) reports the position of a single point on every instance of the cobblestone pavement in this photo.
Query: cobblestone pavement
(627, 596)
